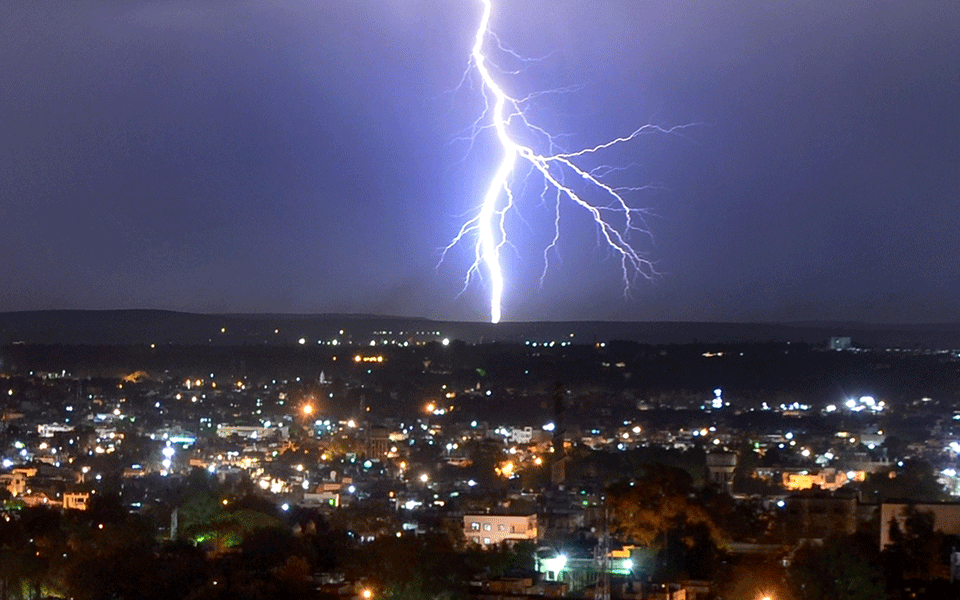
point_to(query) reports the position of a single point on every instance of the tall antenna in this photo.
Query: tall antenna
(558, 466)
(602, 561)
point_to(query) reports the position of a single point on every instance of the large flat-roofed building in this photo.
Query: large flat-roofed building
(817, 515)
(253, 432)
(488, 530)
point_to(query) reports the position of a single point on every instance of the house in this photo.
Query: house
(76, 500)
(489, 530)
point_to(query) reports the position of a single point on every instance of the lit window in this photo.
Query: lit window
(486, 540)
(487, 527)
(500, 527)
(475, 526)
(476, 540)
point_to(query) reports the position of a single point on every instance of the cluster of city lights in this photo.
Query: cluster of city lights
(863, 403)
(368, 359)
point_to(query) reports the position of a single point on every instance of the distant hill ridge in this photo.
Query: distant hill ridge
(147, 326)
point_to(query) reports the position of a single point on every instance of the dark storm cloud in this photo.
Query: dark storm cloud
(297, 156)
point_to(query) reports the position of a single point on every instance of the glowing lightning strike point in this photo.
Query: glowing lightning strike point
(489, 224)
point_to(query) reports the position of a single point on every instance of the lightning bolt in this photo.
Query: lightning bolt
(615, 219)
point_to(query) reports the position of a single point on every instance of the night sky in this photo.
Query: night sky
(292, 156)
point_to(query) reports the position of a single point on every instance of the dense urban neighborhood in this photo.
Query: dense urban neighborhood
(412, 465)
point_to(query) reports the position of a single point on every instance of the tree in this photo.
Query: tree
(502, 558)
(916, 550)
(111, 562)
(269, 547)
(660, 502)
(915, 480)
(197, 512)
(368, 519)
(178, 569)
(410, 566)
(12, 573)
(292, 578)
(662, 511)
(841, 569)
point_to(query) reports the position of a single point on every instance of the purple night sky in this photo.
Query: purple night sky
(268, 156)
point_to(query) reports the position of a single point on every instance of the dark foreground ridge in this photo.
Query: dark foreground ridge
(122, 327)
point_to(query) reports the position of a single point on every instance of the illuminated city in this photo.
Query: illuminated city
(479, 300)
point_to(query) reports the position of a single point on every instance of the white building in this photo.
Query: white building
(48, 430)
(488, 530)
(521, 435)
(252, 432)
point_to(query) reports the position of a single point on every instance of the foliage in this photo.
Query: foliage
(610, 467)
(841, 569)
(916, 550)
(409, 566)
(501, 559)
(105, 553)
(366, 520)
(197, 512)
(661, 502)
(751, 578)
(662, 511)
(916, 480)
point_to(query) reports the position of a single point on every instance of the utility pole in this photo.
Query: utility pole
(602, 560)
(558, 465)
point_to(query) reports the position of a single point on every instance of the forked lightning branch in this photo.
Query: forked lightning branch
(565, 178)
